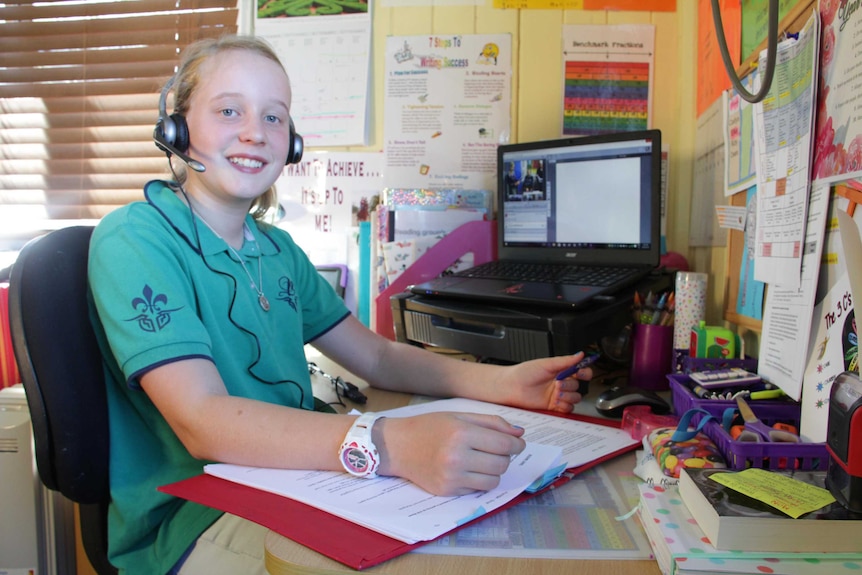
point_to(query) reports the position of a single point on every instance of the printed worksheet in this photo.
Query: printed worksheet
(788, 311)
(580, 520)
(834, 344)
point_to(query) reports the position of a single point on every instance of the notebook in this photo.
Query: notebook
(585, 210)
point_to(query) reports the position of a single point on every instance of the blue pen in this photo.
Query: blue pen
(589, 359)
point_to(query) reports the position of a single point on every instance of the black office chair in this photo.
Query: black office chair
(61, 369)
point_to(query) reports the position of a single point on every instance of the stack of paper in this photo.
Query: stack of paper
(403, 511)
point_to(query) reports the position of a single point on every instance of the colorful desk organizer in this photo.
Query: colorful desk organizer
(742, 455)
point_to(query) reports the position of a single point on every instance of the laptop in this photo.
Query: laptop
(578, 222)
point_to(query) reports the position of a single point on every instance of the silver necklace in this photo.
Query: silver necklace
(261, 297)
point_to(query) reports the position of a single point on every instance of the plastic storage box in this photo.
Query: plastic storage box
(740, 454)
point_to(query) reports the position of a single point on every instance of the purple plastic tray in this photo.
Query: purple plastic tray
(683, 400)
(743, 454)
(683, 363)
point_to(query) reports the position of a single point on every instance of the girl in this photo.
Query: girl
(202, 310)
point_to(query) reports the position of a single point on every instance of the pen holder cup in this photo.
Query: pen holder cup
(652, 352)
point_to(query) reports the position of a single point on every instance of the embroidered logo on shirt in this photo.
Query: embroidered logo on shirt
(287, 291)
(152, 316)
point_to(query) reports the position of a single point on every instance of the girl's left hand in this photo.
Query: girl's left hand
(533, 384)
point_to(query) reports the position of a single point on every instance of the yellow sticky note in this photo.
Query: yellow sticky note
(791, 496)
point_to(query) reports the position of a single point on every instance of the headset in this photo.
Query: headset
(171, 135)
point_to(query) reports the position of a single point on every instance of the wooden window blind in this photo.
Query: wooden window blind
(79, 92)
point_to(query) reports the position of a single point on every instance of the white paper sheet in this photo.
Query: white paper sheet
(788, 312)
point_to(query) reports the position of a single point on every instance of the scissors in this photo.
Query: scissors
(755, 430)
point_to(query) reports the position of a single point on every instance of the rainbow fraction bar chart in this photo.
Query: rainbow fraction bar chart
(603, 97)
(608, 76)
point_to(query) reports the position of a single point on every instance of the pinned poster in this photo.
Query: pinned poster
(326, 198)
(834, 344)
(608, 78)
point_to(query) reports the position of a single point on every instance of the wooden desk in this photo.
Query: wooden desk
(285, 557)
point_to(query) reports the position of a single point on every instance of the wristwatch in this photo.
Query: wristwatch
(358, 454)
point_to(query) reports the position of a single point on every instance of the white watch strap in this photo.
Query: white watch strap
(359, 435)
(366, 420)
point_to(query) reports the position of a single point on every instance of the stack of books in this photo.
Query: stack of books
(703, 527)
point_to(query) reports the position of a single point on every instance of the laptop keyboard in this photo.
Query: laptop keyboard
(551, 273)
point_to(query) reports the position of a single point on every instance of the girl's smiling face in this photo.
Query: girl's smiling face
(239, 125)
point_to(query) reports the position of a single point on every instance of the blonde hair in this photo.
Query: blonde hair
(186, 81)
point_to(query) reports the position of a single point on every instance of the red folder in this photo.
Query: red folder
(344, 541)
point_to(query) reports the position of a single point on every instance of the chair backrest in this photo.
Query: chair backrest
(336, 275)
(61, 368)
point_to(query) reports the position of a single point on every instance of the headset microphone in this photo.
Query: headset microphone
(169, 149)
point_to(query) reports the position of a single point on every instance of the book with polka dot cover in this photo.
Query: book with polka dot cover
(681, 548)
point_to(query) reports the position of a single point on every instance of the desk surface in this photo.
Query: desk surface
(284, 556)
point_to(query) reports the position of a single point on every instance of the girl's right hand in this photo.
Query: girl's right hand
(447, 453)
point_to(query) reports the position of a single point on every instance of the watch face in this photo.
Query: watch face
(357, 459)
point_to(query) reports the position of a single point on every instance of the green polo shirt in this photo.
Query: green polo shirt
(167, 288)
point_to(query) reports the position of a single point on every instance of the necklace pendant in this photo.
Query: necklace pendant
(264, 303)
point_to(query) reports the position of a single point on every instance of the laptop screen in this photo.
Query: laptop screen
(591, 199)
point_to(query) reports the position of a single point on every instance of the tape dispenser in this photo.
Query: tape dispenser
(844, 441)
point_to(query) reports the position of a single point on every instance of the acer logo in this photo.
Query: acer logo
(571, 254)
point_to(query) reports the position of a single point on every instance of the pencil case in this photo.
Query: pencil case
(677, 448)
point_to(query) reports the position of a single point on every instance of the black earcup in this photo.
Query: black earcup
(294, 154)
(171, 131)
(181, 132)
